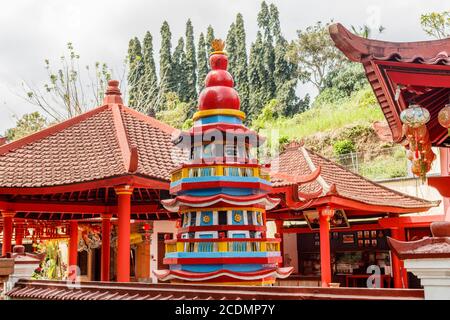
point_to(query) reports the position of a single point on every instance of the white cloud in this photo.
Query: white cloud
(32, 31)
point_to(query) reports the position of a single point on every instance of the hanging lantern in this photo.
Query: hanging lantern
(415, 116)
(422, 134)
(444, 116)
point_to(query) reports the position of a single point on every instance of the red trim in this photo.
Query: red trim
(137, 181)
(220, 184)
(238, 260)
(121, 137)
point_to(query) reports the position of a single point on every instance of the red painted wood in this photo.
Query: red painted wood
(398, 270)
(106, 247)
(7, 233)
(224, 227)
(325, 254)
(123, 250)
(73, 245)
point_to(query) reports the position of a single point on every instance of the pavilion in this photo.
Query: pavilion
(367, 206)
(111, 162)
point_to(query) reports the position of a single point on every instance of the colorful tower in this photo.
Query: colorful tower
(221, 195)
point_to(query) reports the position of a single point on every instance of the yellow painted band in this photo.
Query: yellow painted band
(215, 112)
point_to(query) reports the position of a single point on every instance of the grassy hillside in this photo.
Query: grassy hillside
(349, 120)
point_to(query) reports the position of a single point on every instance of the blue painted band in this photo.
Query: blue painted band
(218, 119)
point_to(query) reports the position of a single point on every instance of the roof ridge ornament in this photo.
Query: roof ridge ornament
(112, 94)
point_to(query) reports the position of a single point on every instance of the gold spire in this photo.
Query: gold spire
(218, 45)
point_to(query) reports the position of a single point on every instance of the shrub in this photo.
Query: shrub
(342, 147)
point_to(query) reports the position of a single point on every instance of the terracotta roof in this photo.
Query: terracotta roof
(420, 69)
(358, 49)
(334, 179)
(59, 290)
(99, 144)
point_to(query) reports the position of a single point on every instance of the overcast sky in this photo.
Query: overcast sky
(31, 31)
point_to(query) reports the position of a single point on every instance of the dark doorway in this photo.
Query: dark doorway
(162, 249)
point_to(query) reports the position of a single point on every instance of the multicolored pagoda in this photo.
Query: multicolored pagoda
(222, 194)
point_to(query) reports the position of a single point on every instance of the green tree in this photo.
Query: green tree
(70, 90)
(209, 38)
(26, 125)
(256, 74)
(180, 71)
(241, 69)
(191, 66)
(165, 59)
(436, 24)
(149, 61)
(314, 54)
(231, 48)
(136, 69)
(268, 52)
(175, 112)
(202, 62)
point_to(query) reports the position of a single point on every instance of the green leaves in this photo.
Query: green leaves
(436, 24)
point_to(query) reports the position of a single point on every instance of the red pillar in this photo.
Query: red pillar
(279, 224)
(19, 232)
(73, 244)
(7, 232)
(398, 270)
(123, 242)
(325, 254)
(106, 246)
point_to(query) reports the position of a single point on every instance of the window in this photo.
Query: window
(222, 218)
(193, 218)
(230, 151)
(250, 217)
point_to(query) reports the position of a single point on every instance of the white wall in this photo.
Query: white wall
(158, 227)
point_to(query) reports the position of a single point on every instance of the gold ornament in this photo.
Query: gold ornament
(237, 217)
(206, 219)
(218, 45)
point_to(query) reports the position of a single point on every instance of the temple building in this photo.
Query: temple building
(135, 200)
(222, 194)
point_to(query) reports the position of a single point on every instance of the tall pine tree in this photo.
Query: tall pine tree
(135, 70)
(209, 38)
(150, 78)
(179, 70)
(241, 70)
(256, 74)
(268, 51)
(230, 46)
(191, 66)
(202, 62)
(166, 77)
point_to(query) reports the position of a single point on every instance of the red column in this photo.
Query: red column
(73, 244)
(106, 246)
(444, 156)
(398, 270)
(123, 245)
(325, 254)
(279, 224)
(19, 232)
(7, 232)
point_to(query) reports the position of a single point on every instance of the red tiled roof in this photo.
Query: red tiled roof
(297, 160)
(59, 290)
(421, 71)
(96, 145)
